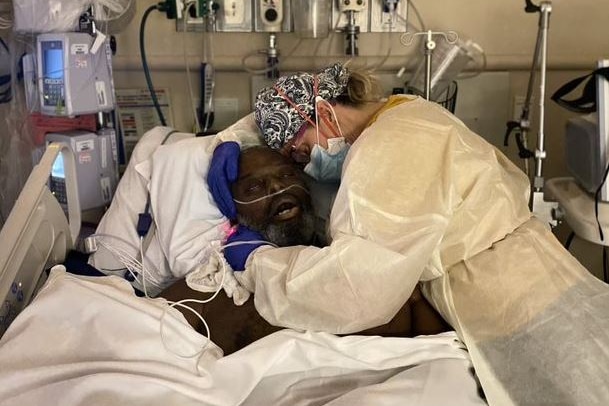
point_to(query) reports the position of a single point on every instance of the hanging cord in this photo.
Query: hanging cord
(5, 80)
(605, 268)
(596, 202)
(569, 240)
(153, 95)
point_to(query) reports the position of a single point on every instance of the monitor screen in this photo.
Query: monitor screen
(53, 63)
(57, 171)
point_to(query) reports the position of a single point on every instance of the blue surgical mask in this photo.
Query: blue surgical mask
(326, 165)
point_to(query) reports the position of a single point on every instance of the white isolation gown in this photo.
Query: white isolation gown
(424, 198)
(419, 193)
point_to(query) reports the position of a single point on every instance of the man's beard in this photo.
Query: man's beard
(285, 233)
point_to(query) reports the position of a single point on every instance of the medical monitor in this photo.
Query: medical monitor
(96, 172)
(587, 141)
(74, 74)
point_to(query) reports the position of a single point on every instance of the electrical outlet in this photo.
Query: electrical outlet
(272, 16)
(187, 23)
(383, 21)
(234, 16)
(234, 12)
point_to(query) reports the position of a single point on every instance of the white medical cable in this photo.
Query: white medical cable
(144, 270)
(5, 23)
(393, 19)
(196, 313)
(202, 301)
(132, 265)
(271, 195)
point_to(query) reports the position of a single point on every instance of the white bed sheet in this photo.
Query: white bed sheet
(90, 341)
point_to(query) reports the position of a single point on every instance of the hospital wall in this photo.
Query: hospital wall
(577, 38)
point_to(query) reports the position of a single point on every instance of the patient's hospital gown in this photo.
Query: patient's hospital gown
(423, 198)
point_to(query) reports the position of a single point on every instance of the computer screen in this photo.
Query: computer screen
(58, 171)
(53, 62)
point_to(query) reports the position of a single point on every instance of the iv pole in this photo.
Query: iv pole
(541, 208)
(406, 39)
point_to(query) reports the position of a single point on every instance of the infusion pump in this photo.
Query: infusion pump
(96, 172)
(74, 74)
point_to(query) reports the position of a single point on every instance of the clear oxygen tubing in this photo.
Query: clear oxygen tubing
(394, 17)
(271, 194)
(414, 8)
(186, 14)
(421, 27)
(333, 34)
(268, 69)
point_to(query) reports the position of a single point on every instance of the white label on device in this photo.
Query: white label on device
(103, 148)
(100, 88)
(79, 49)
(85, 145)
(105, 188)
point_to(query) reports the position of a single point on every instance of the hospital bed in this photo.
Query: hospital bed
(534, 337)
(75, 340)
(37, 234)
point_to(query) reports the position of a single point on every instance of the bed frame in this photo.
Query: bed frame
(37, 234)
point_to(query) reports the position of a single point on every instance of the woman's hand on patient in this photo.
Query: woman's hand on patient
(223, 171)
(245, 241)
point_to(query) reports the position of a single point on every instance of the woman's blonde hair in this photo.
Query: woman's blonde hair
(362, 88)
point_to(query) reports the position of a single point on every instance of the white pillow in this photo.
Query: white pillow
(188, 222)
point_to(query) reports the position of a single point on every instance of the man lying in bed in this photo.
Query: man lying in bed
(273, 200)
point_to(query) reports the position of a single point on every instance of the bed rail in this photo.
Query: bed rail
(37, 234)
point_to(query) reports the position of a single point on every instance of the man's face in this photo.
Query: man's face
(283, 219)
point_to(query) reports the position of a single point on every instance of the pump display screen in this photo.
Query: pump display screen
(58, 171)
(53, 62)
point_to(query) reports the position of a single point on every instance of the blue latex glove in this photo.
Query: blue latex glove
(223, 171)
(237, 255)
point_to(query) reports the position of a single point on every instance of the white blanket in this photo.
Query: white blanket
(90, 341)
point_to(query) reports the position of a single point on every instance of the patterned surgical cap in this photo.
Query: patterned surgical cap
(278, 119)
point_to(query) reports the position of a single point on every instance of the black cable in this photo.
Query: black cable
(605, 270)
(153, 96)
(569, 240)
(597, 198)
(5, 95)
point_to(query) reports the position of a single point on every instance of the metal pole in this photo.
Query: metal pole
(429, 47)
(540, 153)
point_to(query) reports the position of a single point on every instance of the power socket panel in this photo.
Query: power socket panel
(340, 18)
(381, 21)
(231, 16)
